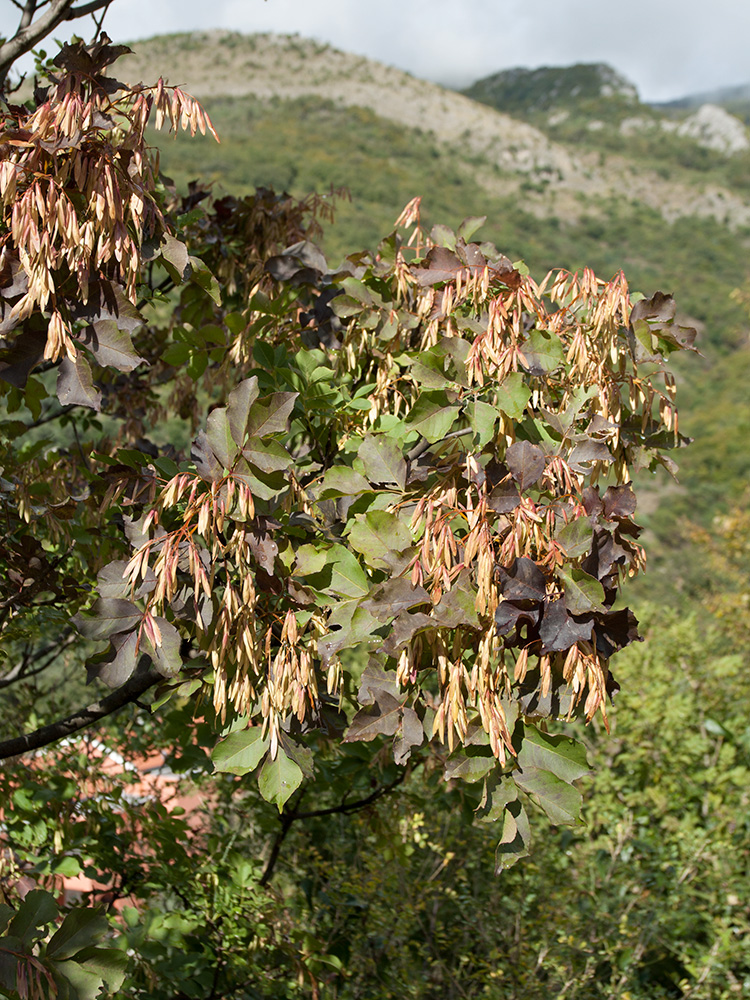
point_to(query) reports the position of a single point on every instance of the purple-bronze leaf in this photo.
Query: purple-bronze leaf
(108, 616)
(509, 614)
(271, 414)
(394, 596)
(264, 549)
(504, 498)
(110, 345)
(411, 734)
(374, 679)
(619, 501)
(239, 403)
(584, 454)
(592, 502)
(220, 437)
(558, 630)
(440, 264)
(206, 463)
(18, 361)
(524, 581)
(526, 463)
(379, 719)
(175, 257)
(121, 663)
(615, 631)
(405, 627)
(75, 385)
(110, 581)
(166, 655)
(458, 606)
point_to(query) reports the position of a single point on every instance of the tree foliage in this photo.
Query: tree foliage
(234, 473)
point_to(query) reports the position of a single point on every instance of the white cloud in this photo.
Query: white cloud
(667, 47)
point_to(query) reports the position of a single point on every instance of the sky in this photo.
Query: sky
(667, 48)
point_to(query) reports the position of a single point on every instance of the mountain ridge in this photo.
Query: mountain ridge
(507, 152)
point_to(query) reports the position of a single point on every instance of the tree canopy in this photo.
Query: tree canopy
(376, 511)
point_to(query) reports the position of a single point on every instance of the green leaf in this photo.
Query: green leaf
(268, 456)
(382, 460)
(81, 928)
(108, 616)
(347, 576)
(299, 753)
(279, 778)
(380, 536)
(240, 752)
(515, 839)
(582, 592)
(90, 970)
(201, 276)
(499, 794)
(66, 867)
(469, 767)
(482, 418)
(310, 560)
(512, 395)
(560, 800)
(353, 624)
(543, 352)
(576, 537)
(342, 481)
(432, 415)
(36, 911)
(558, 753)
(470, 225)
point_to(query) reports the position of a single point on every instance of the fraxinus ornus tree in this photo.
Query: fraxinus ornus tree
(419, 454)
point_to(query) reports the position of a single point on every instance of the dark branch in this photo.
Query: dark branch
(22, 671)
(125, 695)
(290, 817)
(31, 32)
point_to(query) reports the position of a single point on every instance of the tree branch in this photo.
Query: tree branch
(31, 32)
(125, 695)
(288, 818)
(21, 671)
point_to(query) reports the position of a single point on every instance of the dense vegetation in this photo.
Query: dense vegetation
(374, 879)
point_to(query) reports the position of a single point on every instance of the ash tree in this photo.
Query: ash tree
(383, 501)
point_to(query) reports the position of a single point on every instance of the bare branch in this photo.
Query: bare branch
(125, 695)
(22, 671)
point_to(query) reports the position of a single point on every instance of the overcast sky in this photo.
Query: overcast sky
(668, 48)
